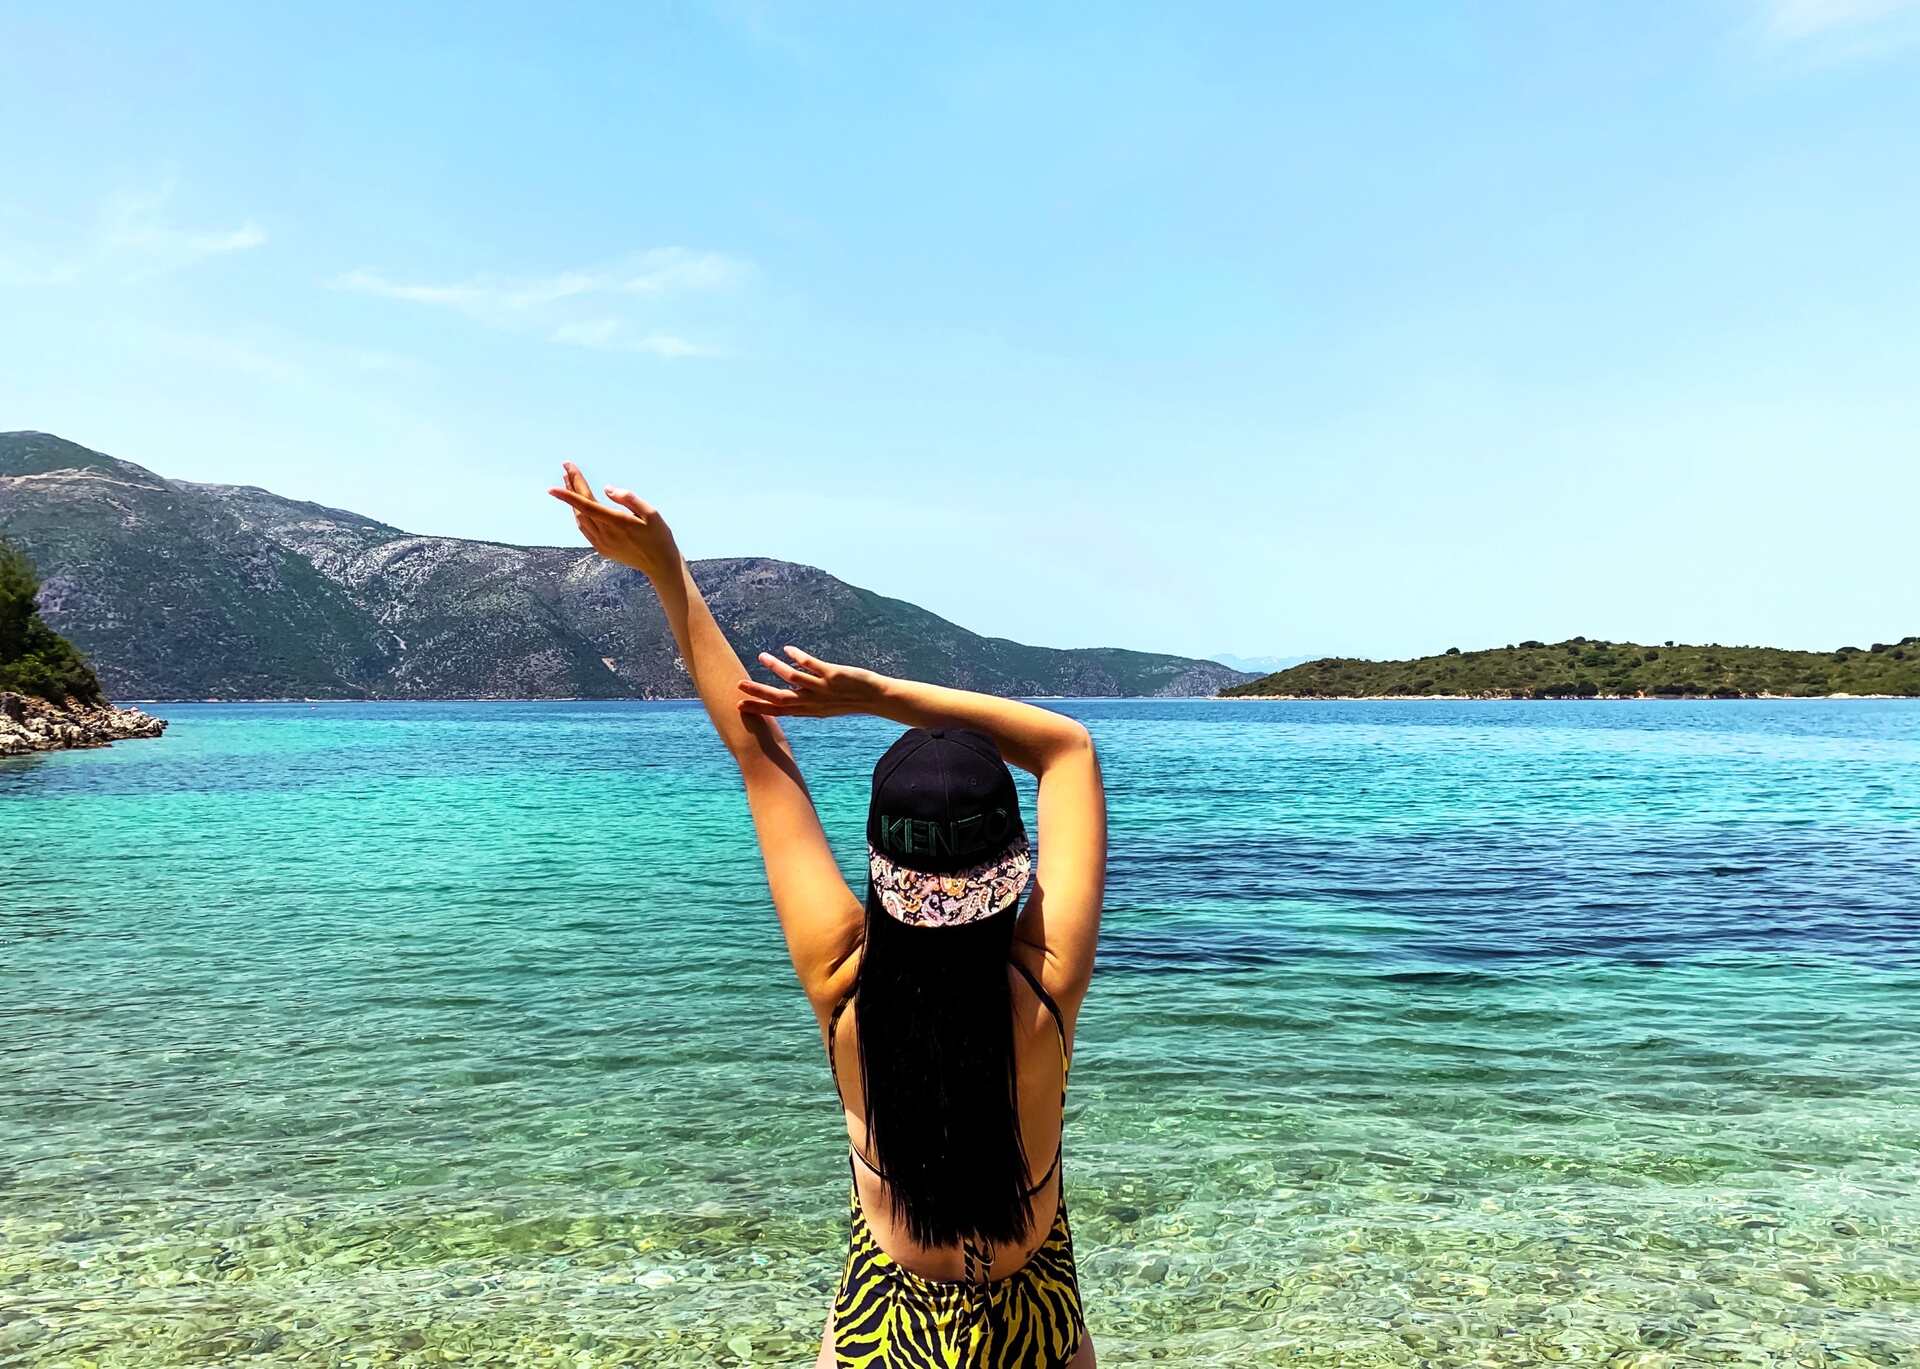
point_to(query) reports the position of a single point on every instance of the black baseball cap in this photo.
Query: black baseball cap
(945, 843)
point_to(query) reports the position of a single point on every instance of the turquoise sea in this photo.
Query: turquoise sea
(1423, 1034)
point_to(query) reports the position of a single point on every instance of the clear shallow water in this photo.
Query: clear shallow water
(1424, 1034)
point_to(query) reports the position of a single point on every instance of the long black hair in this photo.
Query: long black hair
(938, 1073)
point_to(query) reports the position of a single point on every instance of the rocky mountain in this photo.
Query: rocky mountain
(176, 589)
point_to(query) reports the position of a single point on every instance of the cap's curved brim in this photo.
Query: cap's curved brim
(920, 899)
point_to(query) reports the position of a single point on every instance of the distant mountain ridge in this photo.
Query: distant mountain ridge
(177, 589)
(1258, 665)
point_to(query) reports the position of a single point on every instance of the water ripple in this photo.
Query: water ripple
(1424, 1035)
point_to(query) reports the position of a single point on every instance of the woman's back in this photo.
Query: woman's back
(1041, 1048)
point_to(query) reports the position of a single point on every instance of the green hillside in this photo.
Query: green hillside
(175, 589)
(1584, 668)
(34, 659)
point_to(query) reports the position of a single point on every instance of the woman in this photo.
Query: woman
(947, 1006)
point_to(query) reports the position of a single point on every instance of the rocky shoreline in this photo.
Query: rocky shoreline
(33, 724)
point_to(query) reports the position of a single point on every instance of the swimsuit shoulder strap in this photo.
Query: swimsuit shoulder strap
(833, 1030)
(833, 1067)
(1066, 1063)
(1059, 1022)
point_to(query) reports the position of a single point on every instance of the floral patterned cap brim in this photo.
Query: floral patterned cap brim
(920, 899)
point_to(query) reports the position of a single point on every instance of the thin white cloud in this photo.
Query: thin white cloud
(666, 345)
(134, 228)
(185, 243)
(609, 334)
(133, 237)
(598, 332)
(555, 306)
(365, 282)
(658, 271)
(1798, 19)
(383, 363)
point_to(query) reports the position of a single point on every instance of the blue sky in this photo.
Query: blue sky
(1370, 329)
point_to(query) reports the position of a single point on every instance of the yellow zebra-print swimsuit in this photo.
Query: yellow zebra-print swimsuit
(885, 1316)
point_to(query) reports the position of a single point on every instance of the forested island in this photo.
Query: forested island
(1586, 668)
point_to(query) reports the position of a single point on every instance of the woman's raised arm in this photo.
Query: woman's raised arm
(819, 914)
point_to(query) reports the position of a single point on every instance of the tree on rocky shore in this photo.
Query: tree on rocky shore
(34, 659)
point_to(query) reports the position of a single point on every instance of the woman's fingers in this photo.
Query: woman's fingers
(767, 693)
(816, 671)
(579, 503)
(759, 708)
(630, 500)
(627, 507)
(591, 507)
(809, 663)
(785, 671)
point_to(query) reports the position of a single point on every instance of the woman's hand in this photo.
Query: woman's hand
(628, 530)
(819, 689)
